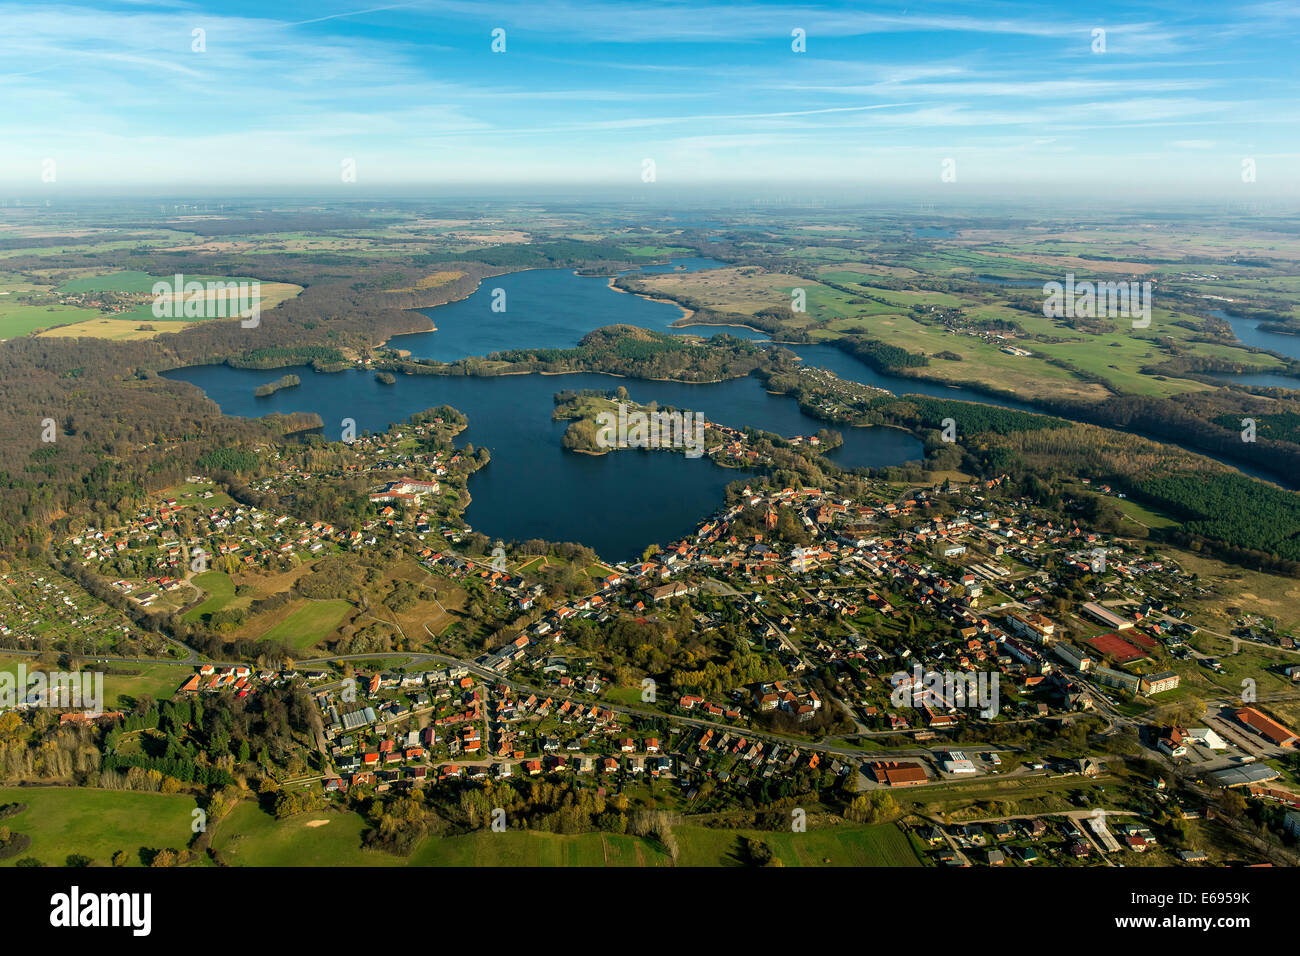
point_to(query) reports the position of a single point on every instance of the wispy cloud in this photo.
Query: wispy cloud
(118, 91)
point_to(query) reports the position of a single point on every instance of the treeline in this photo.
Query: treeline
(205, 740)
(178, 768)
(40, 748)
(1196, 421)
(563, 253)
(1248, 514)
(270, 388)
(452, 418)
(280, 357)
(971, 418)
(1234, 517)
(642, 353)
(881, 356)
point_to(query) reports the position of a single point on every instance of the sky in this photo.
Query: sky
(1187, 97)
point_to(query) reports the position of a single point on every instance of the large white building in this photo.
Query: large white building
(955, 762)
(1110, 619)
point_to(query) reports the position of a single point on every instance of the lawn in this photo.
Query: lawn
(308, 623)
(1143, 515)
(97, 823)
(630, 696)
(880, 845)
(251, 837)
(190, 495)
(158, 681)
(220, 590)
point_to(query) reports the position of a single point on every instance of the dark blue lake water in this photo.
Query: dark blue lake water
(1260, 380)
(543, 308)
(617, 503)
(1248, 332)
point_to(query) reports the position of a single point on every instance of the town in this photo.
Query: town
(849, 611)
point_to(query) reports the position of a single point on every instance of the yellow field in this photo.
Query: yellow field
(743, 289)
(124, 329)
(431, 281)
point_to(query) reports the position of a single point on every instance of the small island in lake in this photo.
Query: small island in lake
(385, 378)
(270, 388)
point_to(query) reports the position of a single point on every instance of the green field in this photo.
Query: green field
(18, 319)
(158, 681)
(132, 282)
(309, 623)
(1145, 516)
(220, 591)
(881, 845)
(97, 823)
(251, 837)
(191, 495)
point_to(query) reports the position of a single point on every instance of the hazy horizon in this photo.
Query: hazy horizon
(167, 94)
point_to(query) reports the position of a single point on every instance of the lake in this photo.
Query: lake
(617, 503)
(555, 308)
(1248, 332)
(544, 308)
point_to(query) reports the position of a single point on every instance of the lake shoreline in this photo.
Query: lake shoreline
(686, 313)
(533, 489)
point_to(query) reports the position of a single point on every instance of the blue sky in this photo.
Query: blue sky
(712, 92)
